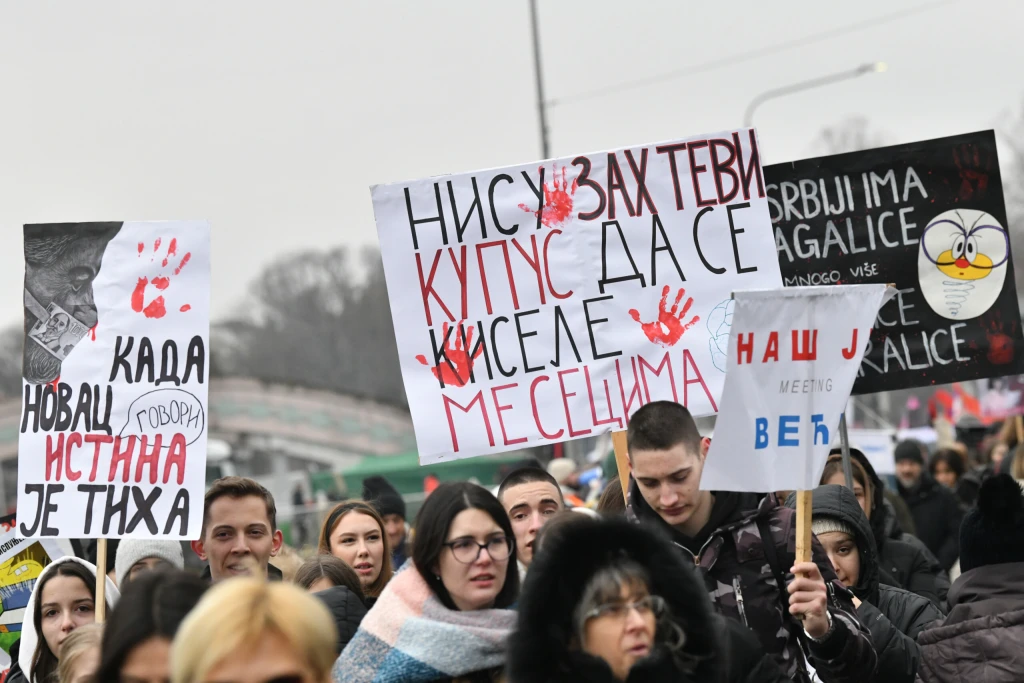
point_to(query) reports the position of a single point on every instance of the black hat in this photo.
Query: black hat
(909, 450)
(993, 532)
(378, 492)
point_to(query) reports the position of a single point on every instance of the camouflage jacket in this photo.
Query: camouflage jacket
(743, 587)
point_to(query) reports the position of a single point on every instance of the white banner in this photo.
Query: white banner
(539, 303)
(793, 357)
(113, 427)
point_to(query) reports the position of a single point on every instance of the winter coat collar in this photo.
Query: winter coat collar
(984, 591)
(541, 648)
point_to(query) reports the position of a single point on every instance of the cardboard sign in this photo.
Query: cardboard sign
(113, 428)
(927, 216)
(21, 562)
(793, 356)
(545, 302)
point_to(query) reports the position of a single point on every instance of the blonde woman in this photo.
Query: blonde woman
(80, 655)
(252, 630)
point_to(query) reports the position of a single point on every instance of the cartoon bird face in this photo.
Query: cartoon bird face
(962, 263)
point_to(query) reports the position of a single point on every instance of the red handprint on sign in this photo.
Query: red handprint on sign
(558, 199)
(669, 327)
(157, 308)
(973, 166)
(456, 370)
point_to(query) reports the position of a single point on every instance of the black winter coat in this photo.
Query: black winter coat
(905, 561)
(893, 615)
(346, 608)
(937, 516)
(541, 650)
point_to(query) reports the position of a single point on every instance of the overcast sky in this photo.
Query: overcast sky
(271, 119)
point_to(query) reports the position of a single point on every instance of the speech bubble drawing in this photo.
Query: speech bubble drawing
(166, 412)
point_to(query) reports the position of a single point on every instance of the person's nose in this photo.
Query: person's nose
(536, 521)
(67, 624)
(241, 545)
(668, 497)
(634, 620)
(484, 559)
(362, 550)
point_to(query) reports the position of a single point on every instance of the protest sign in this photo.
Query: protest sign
(877, 445)
(1003, 398)
(113, 427)
(927, 216)
(21, 562)
(539, 303)
(793, 356)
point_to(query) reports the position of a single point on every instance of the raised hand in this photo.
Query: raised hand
(558, 199)
(461, 362)
(157, 308)
(669, 326)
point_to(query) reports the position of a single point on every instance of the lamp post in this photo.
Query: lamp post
(748, 117)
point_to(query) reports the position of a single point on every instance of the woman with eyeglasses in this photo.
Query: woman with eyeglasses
(606, 600)
(448, 616)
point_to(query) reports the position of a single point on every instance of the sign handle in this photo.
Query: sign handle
(101, 580)
(844, 441)
(1019, 423)
(803, 526)
(622, 461)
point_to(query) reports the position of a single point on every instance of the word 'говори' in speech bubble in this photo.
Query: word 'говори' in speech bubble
(166, 412)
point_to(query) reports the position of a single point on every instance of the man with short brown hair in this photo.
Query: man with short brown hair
(240, 533)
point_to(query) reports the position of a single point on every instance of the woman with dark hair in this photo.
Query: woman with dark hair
(62, 600)
(138, 635)
(336, 585)
(447, 616)
(606, 600)
(355, 533)
(946, 467)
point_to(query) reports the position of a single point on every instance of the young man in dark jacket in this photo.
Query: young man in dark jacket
(894, 616)
(935, 509)
(724, 533)
(982, 639)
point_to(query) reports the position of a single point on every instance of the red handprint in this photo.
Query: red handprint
(156, 308)
(558, 200)
(456, 369)
(669, 327)
(973, 167)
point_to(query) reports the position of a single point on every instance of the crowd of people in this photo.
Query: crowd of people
(668, 582)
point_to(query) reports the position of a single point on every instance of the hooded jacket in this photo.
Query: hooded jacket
(347, 610)
(540, 651)
(902, 558)
(745, 587)
(894, 615)
(982, 639)
(22, 670)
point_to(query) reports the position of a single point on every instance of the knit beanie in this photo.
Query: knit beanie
(824, 525)
(131, 550)
(993, 532)
(385, 499)
(909, 450)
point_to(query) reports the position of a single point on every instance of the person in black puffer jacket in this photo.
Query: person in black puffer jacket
(337, 586)
(894, 616)
(905, 561)
(587, 561)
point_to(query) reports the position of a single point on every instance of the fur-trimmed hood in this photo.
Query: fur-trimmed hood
(540, 651)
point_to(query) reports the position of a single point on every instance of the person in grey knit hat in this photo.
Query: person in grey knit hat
(136, 555)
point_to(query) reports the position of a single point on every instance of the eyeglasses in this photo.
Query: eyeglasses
(466, 550)
(651, 604)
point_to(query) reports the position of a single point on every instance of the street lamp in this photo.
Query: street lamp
(748, 117)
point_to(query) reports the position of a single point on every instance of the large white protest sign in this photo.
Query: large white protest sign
(540, 303)
(793, 357)
(113, 426)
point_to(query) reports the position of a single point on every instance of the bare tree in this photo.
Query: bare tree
(310, 321)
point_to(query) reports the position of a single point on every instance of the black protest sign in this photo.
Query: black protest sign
(928, 217)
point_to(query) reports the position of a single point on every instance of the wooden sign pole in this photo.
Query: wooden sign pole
(101, 580)
(622, 461)
(803, 526)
